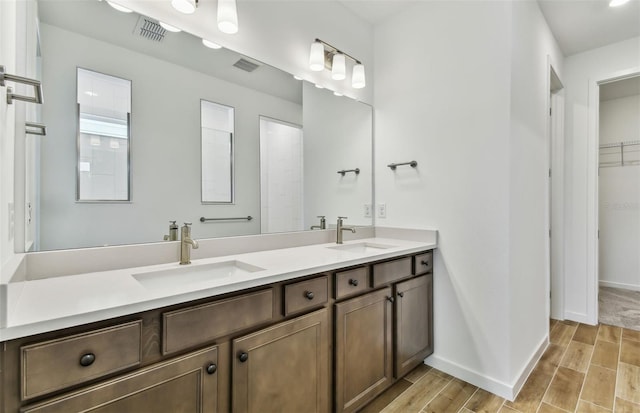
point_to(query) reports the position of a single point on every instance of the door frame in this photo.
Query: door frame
(593, 140)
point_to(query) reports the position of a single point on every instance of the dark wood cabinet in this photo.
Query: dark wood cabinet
(363, 349)
(413, 323)
(183, 385)
(284, 368)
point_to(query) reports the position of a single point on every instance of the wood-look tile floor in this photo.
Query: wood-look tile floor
(585, 369)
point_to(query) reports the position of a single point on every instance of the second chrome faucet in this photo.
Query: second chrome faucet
(340, 227)
(186, 243)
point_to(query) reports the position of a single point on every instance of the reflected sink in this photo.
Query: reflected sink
(195, 274)
(361, 247)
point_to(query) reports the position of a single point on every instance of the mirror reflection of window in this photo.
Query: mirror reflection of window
(281, 176)
(217, 122)
(104, 132)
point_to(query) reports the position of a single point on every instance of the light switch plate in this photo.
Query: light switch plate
(367, 210)
(382, 210)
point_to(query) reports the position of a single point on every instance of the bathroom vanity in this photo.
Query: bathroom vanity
(319, 328)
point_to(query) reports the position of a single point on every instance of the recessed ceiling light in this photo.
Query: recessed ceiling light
(616, 3)
(184, 6)
(210, 44)
(119, 7)
(169, 27)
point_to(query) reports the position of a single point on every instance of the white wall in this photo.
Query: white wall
(461, 87)
(337, 136)
(619, 197)
(531, 43)
(165, 147)
(579, 71)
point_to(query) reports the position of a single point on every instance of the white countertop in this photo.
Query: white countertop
(44, 305)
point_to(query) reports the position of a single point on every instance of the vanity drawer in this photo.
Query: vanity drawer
(64, 362)
(391, 271)
(193, 326)
(423, 263)
(305, 295)
(352, 282)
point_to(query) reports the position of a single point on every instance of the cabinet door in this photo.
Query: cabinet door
(283, 368)
(414, 323)
(184, 385)
(363, 349)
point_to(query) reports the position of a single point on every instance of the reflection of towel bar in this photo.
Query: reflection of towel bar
(393, 166)
(36, 128)
(248, 218)
(37, 87)
(344, 171)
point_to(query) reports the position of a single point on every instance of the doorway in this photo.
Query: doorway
(619, 202)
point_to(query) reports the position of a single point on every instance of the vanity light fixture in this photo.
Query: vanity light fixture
(210, 44)
(169, 27)
(616, 3)
(323, 55)
(185, 6)
(227, 16)
(119, 7)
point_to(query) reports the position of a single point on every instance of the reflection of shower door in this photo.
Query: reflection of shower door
(281, 177)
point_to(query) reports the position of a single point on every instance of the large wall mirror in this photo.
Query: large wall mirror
(182, 165)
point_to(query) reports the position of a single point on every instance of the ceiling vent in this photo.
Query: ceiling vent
(246, 65)
(149, 29)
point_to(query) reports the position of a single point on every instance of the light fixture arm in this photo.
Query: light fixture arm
(332, 49)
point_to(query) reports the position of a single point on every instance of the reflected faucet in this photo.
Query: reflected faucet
(186, 243)
(173, 232)
(323, 223)
(340, 228)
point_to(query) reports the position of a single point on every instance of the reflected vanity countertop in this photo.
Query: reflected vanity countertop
(44, 305)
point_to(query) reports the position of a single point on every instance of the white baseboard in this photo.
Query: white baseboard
(578, 318)
(502, 389)
(612, 284)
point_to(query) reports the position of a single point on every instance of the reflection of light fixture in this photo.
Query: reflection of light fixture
(323, 55)
(119, 7)
(616, 3)
(227, 16)
(211, 44)
(338, 67)
(357, 78)
(114, 144)
(169, 27)
(95, 141)
(90, 93)
(185, 6)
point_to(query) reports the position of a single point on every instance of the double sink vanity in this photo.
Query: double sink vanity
(314, 328)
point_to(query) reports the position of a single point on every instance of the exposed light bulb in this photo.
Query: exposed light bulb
(184, 6)
(357, 78)
(616, 3)
(338, 68)
(227, 16)
(316, 57)
(169, 27)
(210, 44)
(119, 7)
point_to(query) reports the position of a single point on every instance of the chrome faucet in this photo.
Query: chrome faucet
(173, 232)
(340, 228)
(323, 223)
(186, 243)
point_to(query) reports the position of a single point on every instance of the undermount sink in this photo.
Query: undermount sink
(361, 247)
(195, 274)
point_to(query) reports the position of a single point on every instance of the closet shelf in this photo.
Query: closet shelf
(623, 153)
